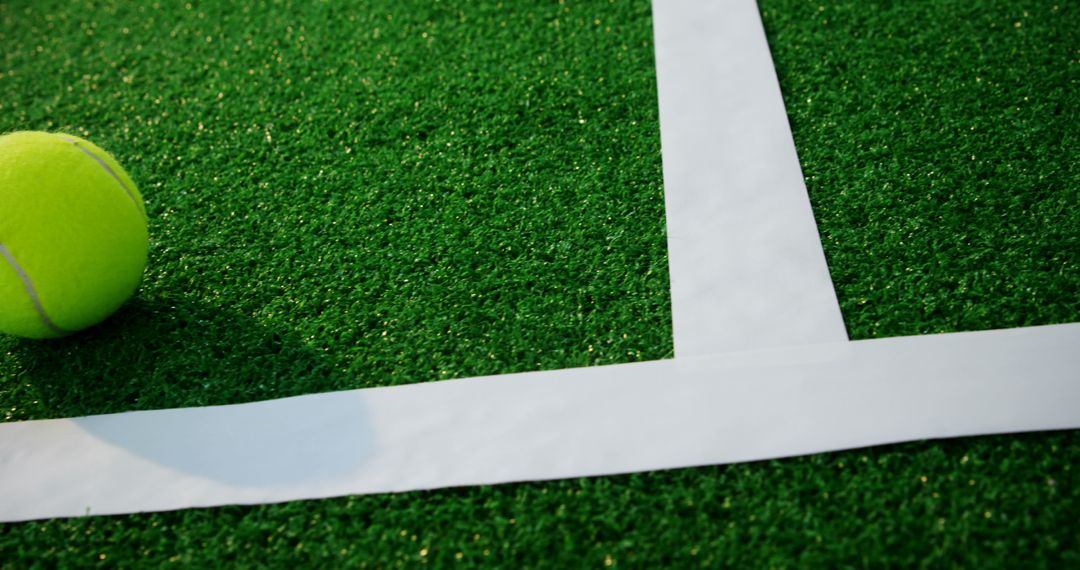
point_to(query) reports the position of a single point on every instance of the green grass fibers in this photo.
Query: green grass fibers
(350, 194)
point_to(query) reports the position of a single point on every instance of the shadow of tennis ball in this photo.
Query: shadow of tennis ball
(168, 353)
(310, 440)
(173, 353)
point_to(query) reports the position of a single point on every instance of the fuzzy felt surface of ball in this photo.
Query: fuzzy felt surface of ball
(73, 234)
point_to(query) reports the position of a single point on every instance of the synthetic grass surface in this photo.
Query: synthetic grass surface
(481, 183)
(346, 196)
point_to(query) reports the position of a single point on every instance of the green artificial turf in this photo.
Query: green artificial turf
(356, 194)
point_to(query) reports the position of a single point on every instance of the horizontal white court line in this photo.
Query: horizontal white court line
(546, 425)
(747, 268)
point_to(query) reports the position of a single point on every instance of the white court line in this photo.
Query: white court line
(546, 425)
(747, 268)
(591, 421)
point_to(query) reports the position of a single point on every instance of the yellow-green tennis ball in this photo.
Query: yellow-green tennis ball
(73, 239)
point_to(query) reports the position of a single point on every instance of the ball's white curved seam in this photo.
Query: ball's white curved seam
(31, 290)
(131, 195)
(24, 276)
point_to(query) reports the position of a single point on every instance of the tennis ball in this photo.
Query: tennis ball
(73, 238)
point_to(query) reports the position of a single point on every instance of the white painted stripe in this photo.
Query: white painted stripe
(689, 411)
(546, 425)
(747, 268)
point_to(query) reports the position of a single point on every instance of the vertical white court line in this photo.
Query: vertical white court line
(757, 404)
(747, 268)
